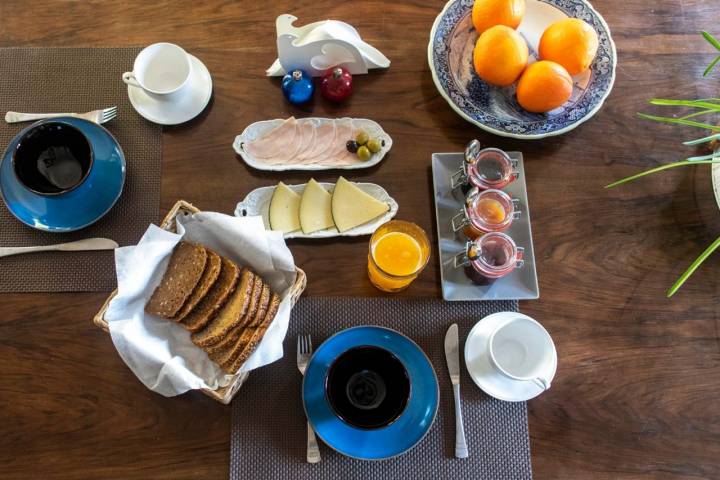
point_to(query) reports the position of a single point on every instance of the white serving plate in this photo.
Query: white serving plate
(257, 202)
(257, 129)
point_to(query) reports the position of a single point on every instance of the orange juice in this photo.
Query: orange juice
(398, 253)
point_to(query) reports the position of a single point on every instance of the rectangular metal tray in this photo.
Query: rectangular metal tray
(522, 283)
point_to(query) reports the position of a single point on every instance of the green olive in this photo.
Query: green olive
(374, 145)
(363, 153)
(361, 138)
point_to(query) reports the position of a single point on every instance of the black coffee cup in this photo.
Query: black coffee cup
(367, 387)
(52, 158)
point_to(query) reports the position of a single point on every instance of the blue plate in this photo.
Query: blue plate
(83, 205)
(394, 439)
(495, 109)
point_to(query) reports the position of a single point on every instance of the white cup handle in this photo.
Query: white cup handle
(129, 78)
(542, 383)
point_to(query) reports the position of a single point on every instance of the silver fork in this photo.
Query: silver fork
(97, 116)
(304, 352)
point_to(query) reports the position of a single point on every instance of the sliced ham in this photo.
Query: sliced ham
(343, 133)
(308, 140)
(324, 141)
(274, 143)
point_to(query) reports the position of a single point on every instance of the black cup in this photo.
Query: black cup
(52, 158)
(367, 387)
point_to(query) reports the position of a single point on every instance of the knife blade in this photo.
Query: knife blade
(452, 355)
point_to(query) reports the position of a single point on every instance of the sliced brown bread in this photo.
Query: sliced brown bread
(215, 298)
(233, 361)
(263, 308)
(208, 279)
(234, 349)
(230, 315)
(229, 342)
(231, 337)
(183, 273)
(233, 364)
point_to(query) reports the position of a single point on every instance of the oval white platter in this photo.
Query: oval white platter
(257, 202)
(258, 129)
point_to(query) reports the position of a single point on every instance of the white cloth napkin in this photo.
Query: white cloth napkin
(160, 352)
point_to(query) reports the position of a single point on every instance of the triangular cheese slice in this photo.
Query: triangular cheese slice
(315, 213)
(352, 207)
(284, 209)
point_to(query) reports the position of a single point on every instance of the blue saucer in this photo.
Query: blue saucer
(394, 439)
(81, 206)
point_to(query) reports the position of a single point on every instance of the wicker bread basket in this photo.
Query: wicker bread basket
(224, 394)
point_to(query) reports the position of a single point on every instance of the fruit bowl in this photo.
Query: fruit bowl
(495, 109)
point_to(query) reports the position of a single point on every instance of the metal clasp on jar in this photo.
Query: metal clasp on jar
(464, 258)
(471, 155)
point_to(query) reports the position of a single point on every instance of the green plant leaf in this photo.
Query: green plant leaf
(711, 40)
(696, 114)
(711, 66)
(685, 103)
(667, 166)
(710, 156)
(679, 121)
(710, 138)
(693, 266)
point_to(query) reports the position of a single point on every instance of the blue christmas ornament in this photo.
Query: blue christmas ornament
(297, 86)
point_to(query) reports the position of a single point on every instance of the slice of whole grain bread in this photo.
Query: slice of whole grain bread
(215, 298)
(186, 266)
(230, 315)
(208, 279)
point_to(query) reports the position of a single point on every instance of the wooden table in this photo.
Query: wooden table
(637, 393)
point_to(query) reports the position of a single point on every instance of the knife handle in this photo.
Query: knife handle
(461, 450)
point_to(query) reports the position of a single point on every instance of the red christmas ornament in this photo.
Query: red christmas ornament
(336, 84)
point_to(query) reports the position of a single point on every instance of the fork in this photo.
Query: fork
(97, 116)
(304, 352)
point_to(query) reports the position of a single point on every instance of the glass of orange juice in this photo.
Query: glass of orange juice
(399, 251)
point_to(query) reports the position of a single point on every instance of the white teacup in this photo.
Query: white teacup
(522, 349)
(161, 69)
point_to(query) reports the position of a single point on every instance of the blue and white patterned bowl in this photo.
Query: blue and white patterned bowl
(495, 109)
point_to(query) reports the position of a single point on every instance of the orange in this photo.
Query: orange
(570, 42)
(500, 55)
(544, 86)
(488, 13)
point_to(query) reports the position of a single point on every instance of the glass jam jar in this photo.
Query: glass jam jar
(484, 168)
(489, 257)
(486, 211)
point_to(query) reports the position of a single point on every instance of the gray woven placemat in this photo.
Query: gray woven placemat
(268, 424)
(78, 80)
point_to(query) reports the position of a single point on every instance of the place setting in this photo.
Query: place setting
(91, 172)
(214, 302)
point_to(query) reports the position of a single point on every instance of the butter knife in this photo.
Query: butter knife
(80, 245)
(452, 355)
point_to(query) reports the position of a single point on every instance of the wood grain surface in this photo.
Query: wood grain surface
(637, 390)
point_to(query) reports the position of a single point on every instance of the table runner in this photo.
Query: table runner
(268, 424)
(78, 80)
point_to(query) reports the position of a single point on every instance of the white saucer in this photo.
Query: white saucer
(485, 375)
(195, 97)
